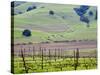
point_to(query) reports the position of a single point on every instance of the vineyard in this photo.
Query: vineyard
(29, 58)
(49, 37)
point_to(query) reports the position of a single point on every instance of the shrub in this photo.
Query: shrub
(34, 7)
(90, 13)
(51, 12)
(29, 8)
(26, 33)
(20, 12)
(85, 19)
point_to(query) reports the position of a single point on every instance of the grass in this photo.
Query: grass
(60, 64)
(77, 33)
(55, 27)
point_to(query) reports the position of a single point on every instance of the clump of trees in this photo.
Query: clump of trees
(81, 11)
(31, 8)
(85, 19)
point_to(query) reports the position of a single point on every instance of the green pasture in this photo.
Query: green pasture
(81, 33)
(49, 28)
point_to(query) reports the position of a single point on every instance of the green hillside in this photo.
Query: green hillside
(65, 24)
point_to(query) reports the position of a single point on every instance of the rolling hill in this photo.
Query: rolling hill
(65, 24)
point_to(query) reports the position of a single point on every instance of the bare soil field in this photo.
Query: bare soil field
(86, 48)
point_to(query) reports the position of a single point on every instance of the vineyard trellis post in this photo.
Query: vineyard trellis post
(42, 57)
(76, 58)
(58, 53)
(24, 63)
(33, 53)
(49, 57)
(55, 54)
(28, 54)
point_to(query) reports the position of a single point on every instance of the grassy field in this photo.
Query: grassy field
(52, 27)
(41, 36)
